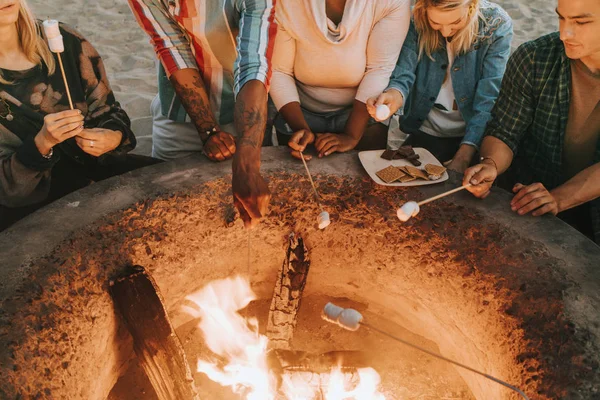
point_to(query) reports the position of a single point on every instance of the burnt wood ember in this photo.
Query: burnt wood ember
(321, 363)
(158, 348)
(287, 295)
(312, 368)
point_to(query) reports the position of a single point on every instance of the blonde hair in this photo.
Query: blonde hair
(33, 45)
(430, 40)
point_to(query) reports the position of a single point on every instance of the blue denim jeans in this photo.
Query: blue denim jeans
(333, 122)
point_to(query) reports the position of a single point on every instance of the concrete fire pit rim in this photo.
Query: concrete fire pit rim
(89, 205)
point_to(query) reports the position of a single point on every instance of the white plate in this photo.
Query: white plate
(372, 162)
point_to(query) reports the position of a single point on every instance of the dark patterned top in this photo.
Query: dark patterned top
(531, 115)
(25, 174)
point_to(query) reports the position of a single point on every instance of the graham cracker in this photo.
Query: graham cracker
(433, 169)
(407, 178)
(390, 174)
(416, 172)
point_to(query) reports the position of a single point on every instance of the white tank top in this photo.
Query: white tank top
(443, 119)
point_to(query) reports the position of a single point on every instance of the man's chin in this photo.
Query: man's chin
(574, 53)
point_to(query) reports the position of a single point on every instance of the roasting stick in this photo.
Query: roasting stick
(351, 320)
(439, 196)
(55, 42)
(248, 264)
(323, 218)
(248, 268)
(412, 208)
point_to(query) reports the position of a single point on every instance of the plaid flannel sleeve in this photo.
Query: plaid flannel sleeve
(514, 110)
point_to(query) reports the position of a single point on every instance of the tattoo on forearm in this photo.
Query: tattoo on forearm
(250, 123)
(196, 105)
(247, 141)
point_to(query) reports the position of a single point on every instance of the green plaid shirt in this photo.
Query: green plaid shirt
(531, 114)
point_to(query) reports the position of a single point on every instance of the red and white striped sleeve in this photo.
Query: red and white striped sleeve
(168, 38)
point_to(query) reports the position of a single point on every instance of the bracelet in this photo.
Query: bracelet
(49, 155)
(482, 159)
(209, 133)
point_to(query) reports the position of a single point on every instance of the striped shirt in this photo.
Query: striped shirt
(229, 41)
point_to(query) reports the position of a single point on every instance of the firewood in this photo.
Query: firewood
(291, 280)
(161, 355)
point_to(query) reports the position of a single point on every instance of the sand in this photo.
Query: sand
(111, 27)
(130, 60)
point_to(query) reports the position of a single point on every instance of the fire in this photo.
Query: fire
(242, 352)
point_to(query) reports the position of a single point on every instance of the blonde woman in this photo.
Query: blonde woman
(46, 149)
(448, 76)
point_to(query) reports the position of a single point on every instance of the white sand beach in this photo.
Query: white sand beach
(110, 26)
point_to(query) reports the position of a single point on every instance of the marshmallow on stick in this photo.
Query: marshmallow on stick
(323, 218)
(56, 44)
(347, 318)
(412, 208)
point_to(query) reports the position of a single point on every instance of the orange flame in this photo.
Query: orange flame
(243, 353)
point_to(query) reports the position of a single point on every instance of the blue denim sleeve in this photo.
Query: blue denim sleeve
(488, 87)
(255, 42)
(404, 74)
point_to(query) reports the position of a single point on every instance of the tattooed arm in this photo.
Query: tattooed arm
(190, 89)
(250, 191)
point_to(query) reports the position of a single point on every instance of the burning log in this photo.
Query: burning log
(158, 348)
(288, 294)
(300, 361)
(336, 374)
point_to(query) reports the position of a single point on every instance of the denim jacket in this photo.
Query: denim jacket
(476, 75)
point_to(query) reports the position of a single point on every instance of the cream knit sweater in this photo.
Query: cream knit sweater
(324, 66)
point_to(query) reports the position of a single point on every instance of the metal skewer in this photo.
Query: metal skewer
(317, 197)
(323, 219)
(351, 319)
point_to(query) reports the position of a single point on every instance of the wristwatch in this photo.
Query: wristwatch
(49, 155)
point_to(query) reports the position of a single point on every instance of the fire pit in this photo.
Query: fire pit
(513, 297)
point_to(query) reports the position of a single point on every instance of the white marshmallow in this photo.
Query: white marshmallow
(382, 112)
(408, 210)
(323, 220)
(51, 28)
(56, 44)
(331, 312)
(347, 318)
